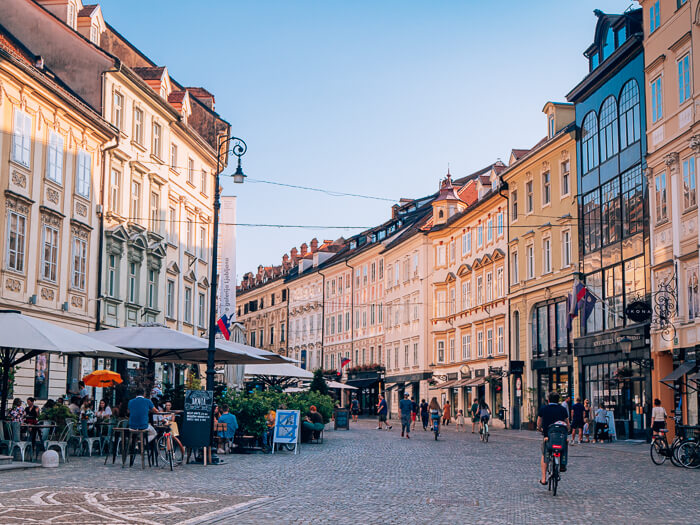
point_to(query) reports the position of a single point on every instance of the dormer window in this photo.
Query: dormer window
(594, 61)
(94, 34)
(608, 43)
(551, 125)
(441, 214)
(72, 16)
(452, 211)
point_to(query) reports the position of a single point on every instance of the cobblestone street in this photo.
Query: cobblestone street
(366, 476)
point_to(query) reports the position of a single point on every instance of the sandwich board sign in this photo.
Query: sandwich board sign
(287, 427)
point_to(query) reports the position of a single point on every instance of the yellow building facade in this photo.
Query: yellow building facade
(543, 256)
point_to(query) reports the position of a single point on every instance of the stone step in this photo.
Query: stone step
(18, 465)
(5, 460)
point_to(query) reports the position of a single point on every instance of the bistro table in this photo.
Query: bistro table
(33, 430)
(118, 437)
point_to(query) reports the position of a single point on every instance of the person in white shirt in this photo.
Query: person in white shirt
(658, 418)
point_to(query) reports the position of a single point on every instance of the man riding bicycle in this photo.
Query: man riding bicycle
(484, 414)
(549, 415)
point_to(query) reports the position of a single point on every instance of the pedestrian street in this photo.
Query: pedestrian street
(366, 476)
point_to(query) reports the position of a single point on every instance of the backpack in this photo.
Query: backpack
(558, 435)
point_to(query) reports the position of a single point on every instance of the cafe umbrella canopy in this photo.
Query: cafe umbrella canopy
(23, 337)
(159, 343)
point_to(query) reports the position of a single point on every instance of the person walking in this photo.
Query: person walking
(382, 410)
(658, 418)
(460, 420)
(475, 415)
(577, 420)
(424, 414)
(414, 412)
(355, 409)
(406, 409)
(600, 423)
(447, 413)
(587, 420)
(435, 412)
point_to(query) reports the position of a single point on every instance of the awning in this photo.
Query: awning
(679, 372)
(394, 385)
(461, 383)
(446, 384)
(477, 381)
(695, 377)
(361, 383)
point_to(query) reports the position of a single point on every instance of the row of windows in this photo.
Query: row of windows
(260, 340)
(409, 356)
(546, 257)
(15, 254)
(618, 127)
(22, 149)
(402, 271)
(689, 189)
(365, 274)
(545, 188)
(655, 14)
(484, 346)
(479, 236)
(485, 291)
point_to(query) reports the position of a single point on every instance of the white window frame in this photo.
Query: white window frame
(530, 261)
(49, 243)
(187, 317)
(78, 263)
(440, 351)
(22, 138)
(546, 188)
(480, 344)
(547, 255)
(54, 158)
(514, 274)
(689, 181)
(138, 117)
(83, 175)
(566, 248)
(152, 298)
(565, 178)
(170, 299)
(17, 229)
(529, 197)
(500, 340)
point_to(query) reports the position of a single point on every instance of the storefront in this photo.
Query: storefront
(369, 386)
(620, 380)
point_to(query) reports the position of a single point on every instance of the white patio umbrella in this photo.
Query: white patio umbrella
(23, 337)
(278, 370)
(271, 357)
(340, 386)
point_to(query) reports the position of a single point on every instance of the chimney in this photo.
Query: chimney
(293, 253)
(304, 248)
(314, 244)
(395, 211)
(327, 241)
(285, 259)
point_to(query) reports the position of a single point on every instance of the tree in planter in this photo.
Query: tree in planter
(59, 414)
(319, 383)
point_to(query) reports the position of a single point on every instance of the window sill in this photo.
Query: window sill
(190, 183)
(690, 209)
(157, 158)
(662, 222)
(18, 164)
(136, 144)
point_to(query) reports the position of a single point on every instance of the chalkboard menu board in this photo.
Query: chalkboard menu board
(197, 419)
(342, 419)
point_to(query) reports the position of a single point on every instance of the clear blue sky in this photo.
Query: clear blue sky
(363, 96)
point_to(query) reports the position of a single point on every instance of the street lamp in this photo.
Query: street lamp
(238, 147)
(626, 345)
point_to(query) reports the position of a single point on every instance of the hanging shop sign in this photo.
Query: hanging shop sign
(639, 311)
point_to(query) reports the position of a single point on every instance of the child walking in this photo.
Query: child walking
(460, 421)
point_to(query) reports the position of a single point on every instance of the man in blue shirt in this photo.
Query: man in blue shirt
(382, 410)
(231, 427)
(139, 410)
(406, 407)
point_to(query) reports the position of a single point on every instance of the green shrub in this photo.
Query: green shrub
(59, 414)
(319, 383)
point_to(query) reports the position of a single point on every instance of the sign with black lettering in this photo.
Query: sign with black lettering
(342, 419)
(638, 311)
(197, 419)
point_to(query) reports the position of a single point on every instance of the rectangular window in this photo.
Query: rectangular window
(49, 255)
(282, 326)
(691, 276)
(530, 262)
(118, 110)
(373, 272)
(464, 296)
(440, 258)
(154, 215)
(565, 178)
(22, 138)
(452, 350)
(514, 268)
(633, 206)
(480, 344)
(546, 188)
(190, 171)
(415, 354)
(203, 243)
(689, 192)
(188, 307)
(173, 156)
(464, 244)
(547, 255)
(170, 299)
(469, 294)
(54, 158)
(479, 236)
(112, 283)
(489, 230)
(189, 230)
(133, 283)
(83, 175)
(591, 222)
(684, 79)
(499, 223)
(441, 307)
(452, 253)
(565, 249)
(611, 212)
(172, 223)
(489, 342)
(499, 283)
(489, 287)
(204, 182)
(272, 328)
(16, 233)
(500, 341)
(654, 19)
(138, 126)
(441, 351)
(152, 289)
(156, 141)
(551, 126)
(135, 202)
(479, 290)
(252, 338)
(114, 190)
(660, 197)
(464, 347)
(656, 101)
(79, 263)
(529, 203)
(405, 356)
(469, 241)
(514, 205)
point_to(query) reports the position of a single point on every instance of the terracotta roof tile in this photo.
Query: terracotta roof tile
(149, 73)
(87, 10)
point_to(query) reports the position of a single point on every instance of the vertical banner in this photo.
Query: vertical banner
(226, 266)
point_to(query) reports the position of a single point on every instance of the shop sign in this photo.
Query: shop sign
(639, 311)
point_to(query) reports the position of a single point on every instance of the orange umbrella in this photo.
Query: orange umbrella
(102, 378)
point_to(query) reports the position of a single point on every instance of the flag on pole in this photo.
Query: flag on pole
(589, 305)
(222, 325)
(576, 301)
(344, 361)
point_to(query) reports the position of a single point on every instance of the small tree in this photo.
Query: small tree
(319, 383)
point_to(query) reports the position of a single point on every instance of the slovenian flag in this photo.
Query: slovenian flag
(344, 361)
(575, 302)
(222, 325)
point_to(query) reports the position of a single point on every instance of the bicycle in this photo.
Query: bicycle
(166, 451)
(484, 431)
(553, 466)
(660, 449)
(688, 454)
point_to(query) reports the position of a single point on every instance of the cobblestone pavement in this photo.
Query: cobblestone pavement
(366, 476)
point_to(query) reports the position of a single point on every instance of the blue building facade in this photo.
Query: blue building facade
(614, 222)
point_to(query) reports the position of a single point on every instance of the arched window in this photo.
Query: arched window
(589, 142)
(629, 114)
(608, 43)
(608, 129)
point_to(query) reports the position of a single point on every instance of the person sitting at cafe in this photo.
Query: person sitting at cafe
(312, 424)
(103, 410)
(139, 409)
(31, 412)
(50, 403)
(167, 417)
(74, 405)
(17, 412)
(228, 419)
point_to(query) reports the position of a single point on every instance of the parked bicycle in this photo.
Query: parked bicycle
(661, 450)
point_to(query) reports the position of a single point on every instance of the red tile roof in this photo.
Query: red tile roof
(518, 153)
(149, 73)
(87, 10)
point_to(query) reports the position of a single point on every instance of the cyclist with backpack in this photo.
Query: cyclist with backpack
(552, 414)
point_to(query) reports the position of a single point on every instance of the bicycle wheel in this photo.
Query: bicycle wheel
(657, 452)
(555, 475)
(550, 466)
(673, 456)
(289, 447)
(689, 454)
(486, 434)
(162, 450)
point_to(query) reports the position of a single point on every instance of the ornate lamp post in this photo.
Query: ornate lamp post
(238, 147)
